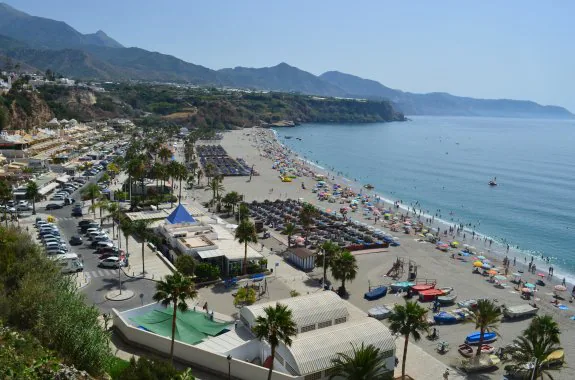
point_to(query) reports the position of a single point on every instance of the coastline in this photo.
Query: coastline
(250, 144)
(480, 240)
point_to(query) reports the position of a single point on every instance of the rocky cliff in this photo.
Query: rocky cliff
(23, 110)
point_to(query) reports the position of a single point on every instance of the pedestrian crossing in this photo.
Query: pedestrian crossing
(101, 273)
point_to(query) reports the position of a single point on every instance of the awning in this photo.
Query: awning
(49, 187)
(63, 178)
(210, 253)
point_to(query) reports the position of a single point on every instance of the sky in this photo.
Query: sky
(515, 49)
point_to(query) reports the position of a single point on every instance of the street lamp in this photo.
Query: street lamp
(229, 367)
(323, 280)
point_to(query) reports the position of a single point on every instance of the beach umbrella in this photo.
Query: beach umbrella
(492, 272)
(560, 288)
(541, 274)
(464, 253)
(477, 264)
(500, 277)
(482, 257)
(529, 285)
(486, 266)
(527, 290)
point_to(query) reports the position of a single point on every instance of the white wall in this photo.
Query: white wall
(193, 355)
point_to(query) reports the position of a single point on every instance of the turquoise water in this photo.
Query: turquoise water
(445, 164)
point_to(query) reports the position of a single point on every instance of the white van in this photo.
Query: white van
(69, 263)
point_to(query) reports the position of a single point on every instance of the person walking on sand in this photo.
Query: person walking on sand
(446, 374)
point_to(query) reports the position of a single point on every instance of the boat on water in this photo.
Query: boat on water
(493, 182)
(488, 337)
(447, 299)
(519, 311)
(369, 186)
(288, 137)
(468, 351)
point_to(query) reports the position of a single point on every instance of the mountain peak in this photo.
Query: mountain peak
(7, 9)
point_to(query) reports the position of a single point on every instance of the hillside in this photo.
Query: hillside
(40, 43)
(438, 103)
(282, 77)
(42, 32)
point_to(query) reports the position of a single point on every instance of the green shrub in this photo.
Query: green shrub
(207, 272)
(186, 265)
(145, 369)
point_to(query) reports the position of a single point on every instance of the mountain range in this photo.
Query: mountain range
(42, 43)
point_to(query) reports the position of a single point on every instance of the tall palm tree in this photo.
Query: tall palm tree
(246, 233)
(175, 289)
(306, 217)
(289, 230)
(140, 228)
(344, 267)
(486, 317)
(172, 169)
(244, 212)
(216, 187)
(329, 250)
(365, 362)
(136, 169)
(181, 173)
(409, 321)
(127, 227)
(543, 326)
(114, 213)
(200, 174)
(164, 154)
(276, 326)
(92, 192)
(102, 205)
(210, 170)
(33, 193)
(232, 199)
(532, 352)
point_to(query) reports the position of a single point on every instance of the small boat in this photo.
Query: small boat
(429, 295)
(447, 318)
(376, 293)
(288, 137)
(468, 351)
(401, 286)
(488, 337)
(480, 363)
(447, 299)
(446, 290)
(493, 182)
(379, 312)
(519, 311)
(369, 186)
(424, 286)
(468, 304)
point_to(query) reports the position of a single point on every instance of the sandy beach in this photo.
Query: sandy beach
(258, 147)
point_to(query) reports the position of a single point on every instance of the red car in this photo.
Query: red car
(111, 254)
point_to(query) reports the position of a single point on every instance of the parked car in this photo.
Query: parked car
(106, 247)
(76, 240)
(109, 254)
(111, 262)
(53, 206)
(85, 222)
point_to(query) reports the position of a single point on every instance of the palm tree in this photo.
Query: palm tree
(365, 362)
(306, 217)
(102, 205)
(246, 233)
(92, 192)
(140, 228)
(232, 199)
(136, 168)
(408, 320)
(210, 170)
(486, 317)
(329, 250)
(244, 212)
(114, 213)
(33, 193)
(344, 267)
(543, 326)
(289, 230)
(276, 326)
(532, 352)
(180, 173)
(127, 227)
(172, 170)
(200, 173)
(216, 187)
(175, 289)
(164, 154)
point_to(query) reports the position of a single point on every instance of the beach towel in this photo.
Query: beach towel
(562, 307)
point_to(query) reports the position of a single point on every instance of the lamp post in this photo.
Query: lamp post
(323, 280)
(229, 367)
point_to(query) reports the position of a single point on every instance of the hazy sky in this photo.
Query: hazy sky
(519, 49)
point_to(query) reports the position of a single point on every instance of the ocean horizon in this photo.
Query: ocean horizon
(443, 165)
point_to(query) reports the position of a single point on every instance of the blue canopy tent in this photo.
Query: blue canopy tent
(180, 215)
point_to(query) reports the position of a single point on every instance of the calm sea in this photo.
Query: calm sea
(445, 164)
